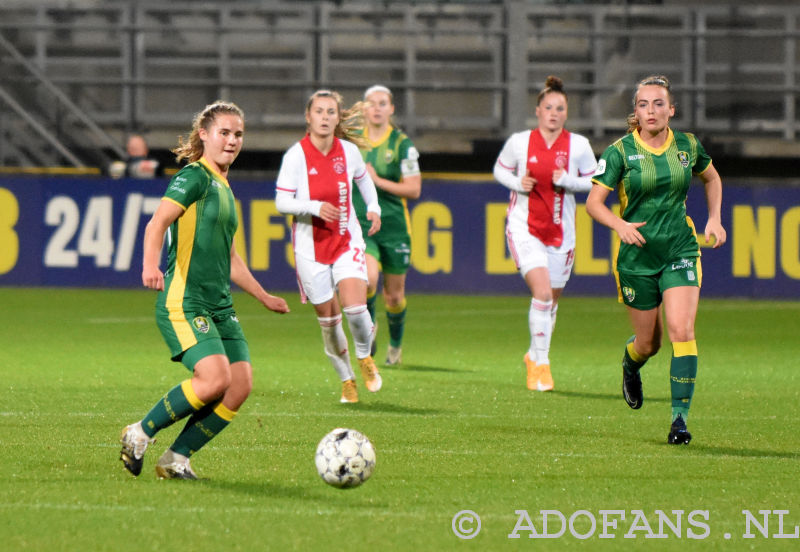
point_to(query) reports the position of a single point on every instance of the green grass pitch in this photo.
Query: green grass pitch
(454, 428)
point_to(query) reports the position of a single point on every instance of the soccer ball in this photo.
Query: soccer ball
(345, 458)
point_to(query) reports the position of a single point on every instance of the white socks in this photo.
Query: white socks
(540, 322)
(336, 346)
(361, 327)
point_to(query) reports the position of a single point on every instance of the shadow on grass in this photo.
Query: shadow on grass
(261, 489)
(604, 396)
(393, 408)
(320, 492)
(420, 368)
(741, 452)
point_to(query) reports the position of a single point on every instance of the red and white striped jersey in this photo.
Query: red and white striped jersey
(548, 212)
(307, 179)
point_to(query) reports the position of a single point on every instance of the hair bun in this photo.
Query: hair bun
(554, 83)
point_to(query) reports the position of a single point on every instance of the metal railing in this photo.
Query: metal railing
(460, 72)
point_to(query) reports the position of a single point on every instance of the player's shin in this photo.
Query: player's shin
(682, 375)
(179, 402)
(335, 342)
(361, 327)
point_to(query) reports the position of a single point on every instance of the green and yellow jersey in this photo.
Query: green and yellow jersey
(652, 185)
(393, 156)
(198, 272)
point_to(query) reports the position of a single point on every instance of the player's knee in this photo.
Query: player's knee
(681, 333)
(243, 387)
(394, 299)
(648, 348)
(220, 384)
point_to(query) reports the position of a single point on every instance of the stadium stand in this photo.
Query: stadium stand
(79, 75)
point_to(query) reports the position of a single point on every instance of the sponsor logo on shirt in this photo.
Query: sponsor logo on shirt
(313, 171)
(635, 157)
(683, 264)
(342, 208)
(557, 209)
(533, 159)
(177, 184)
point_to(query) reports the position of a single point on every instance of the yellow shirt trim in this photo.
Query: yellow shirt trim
(380, 140)
(655, 151)
(206, 164)
(174, 303)
(179, 204)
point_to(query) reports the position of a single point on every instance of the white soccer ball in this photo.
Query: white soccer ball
(345, 458)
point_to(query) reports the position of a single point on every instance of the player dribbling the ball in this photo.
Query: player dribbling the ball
(194, 308)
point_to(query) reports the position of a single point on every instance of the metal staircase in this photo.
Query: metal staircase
(40, 125)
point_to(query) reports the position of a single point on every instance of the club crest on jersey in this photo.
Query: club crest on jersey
(388, 156)
(201, 324)
(561, 159)
(338, 165)
(629, 294)
(683, 157)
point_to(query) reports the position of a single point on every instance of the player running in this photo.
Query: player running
(659, 256)
(315, 185)
(543, 168)
(393, 163)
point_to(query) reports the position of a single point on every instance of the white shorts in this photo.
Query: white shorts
(318, 281)
(529, 252)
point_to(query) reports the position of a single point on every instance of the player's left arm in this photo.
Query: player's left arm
(410, 185)
(713, 185)
(585, 165)
(242, 277)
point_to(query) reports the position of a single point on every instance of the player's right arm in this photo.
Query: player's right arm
(168, 212)
(291, 175)
(606, 177)
(510, 167)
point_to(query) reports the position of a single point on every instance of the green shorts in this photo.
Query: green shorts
(392, 251)
(197, 335)
(644, 292)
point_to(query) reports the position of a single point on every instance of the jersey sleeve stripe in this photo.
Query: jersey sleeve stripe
(606, 186)
(179, 204)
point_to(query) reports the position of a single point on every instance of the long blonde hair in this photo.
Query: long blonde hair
(192, 148)
(657, 80)
(351, 121)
